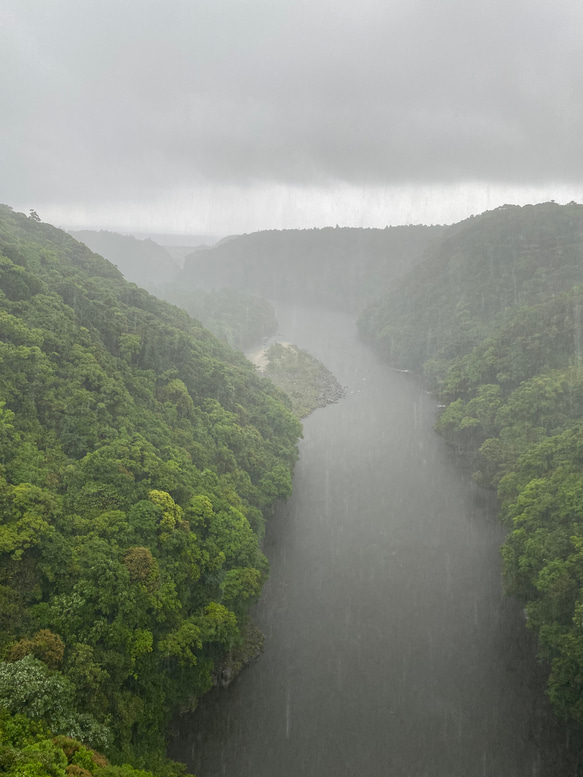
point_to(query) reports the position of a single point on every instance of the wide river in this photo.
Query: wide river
(390, 650)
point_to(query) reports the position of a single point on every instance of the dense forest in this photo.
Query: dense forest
(139, 459)
(140, 455)
(333, 267)
(240, 319)
(493, 319)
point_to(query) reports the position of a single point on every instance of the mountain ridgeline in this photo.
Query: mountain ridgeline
(332, 267)
(142, 261)
(493, 318)
(139, 459)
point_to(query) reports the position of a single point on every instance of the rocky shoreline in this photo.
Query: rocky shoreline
(309, 385)
(306, 381)
(332, 390)
(240, 656)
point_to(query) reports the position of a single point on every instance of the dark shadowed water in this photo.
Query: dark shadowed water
(389, 649)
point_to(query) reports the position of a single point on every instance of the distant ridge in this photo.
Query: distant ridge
(141, 261)
(168, 239)
(335, 267)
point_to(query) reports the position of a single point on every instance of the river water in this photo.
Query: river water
(390, 650)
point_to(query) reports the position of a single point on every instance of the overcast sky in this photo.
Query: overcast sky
(234, 115)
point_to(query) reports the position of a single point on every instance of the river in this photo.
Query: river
(390, 650)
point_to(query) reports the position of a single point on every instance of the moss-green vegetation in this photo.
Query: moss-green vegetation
(139, 457)
(29, 749)
(494, 320)
(305, 380)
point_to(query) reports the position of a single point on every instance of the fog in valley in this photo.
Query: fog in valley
(390, 192)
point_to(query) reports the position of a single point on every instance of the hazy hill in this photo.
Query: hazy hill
(494, 318)
(480, 272)
(238, 319)
(338, 267)
(139, 457)
(141, 261)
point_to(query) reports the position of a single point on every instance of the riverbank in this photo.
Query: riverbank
(308, 383)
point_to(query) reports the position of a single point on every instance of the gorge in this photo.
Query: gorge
(389, 646)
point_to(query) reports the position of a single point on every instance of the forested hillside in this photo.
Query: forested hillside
(474, 279)
(240, 319)
(139, 457)
(493, 317)
(340, 268)
(237, 318)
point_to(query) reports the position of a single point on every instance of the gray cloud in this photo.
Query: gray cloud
(123, 100)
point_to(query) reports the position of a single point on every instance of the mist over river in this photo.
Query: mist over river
(389, 649)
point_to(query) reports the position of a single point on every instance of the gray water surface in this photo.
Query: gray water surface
(389, 647)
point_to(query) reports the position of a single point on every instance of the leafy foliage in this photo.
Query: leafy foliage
(139, 458)
(29, 749)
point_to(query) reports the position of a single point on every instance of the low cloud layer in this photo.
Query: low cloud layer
(135, 102)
